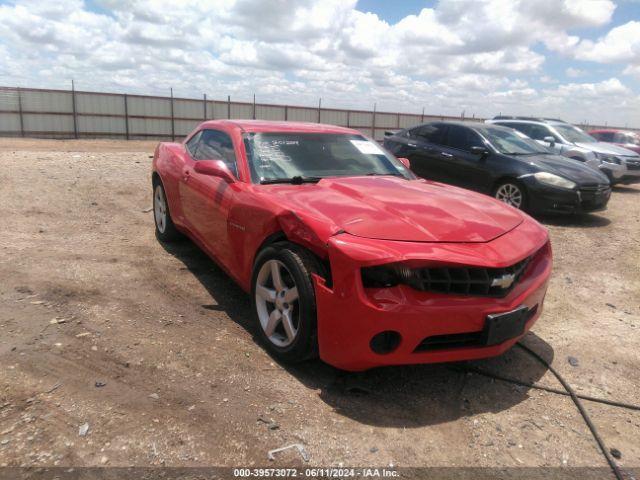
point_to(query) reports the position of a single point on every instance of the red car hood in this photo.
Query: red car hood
(396, 209)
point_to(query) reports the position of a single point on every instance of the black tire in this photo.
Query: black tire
(524, 203)
(300, 265)
(166, 231)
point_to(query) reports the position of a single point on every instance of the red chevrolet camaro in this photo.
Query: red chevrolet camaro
(346, 253)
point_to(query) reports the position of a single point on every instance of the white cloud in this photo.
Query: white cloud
(473, 55)
(574, 72)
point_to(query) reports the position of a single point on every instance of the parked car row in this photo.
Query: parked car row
(621, 165)
(538, 165)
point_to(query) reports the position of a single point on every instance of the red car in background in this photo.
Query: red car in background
(348, 255)
(622, 138)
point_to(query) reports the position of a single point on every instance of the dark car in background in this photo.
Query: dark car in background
(621, 138)
(501, 162)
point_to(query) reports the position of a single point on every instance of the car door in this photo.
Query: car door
(461, 167)
(424, 151)
(206, 200)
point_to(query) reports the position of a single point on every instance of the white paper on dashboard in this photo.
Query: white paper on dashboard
(367, 147)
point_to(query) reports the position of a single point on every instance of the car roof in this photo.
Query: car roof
(464, 124)
(612, 130)
(279, 126)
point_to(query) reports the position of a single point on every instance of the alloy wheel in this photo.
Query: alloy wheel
(277, 303)
(510, 194)
(160, 209)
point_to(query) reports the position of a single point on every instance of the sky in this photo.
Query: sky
(574, 59)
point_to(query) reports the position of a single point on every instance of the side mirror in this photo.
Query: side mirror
(214, 168)
(482, 151)
(405, 162)
(550, 140)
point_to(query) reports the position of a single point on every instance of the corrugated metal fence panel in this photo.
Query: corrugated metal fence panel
(219, 110)
(362, 119)
(334, 117)
(241, 110)
(408, 121)
(46, 101)
(188, 108)
(100, 125)
(34, 122)
(184, 127)
(296, 114)
(8, 99)
(387, 120)
(101, 104)
(149, 106)
(268, 112)
(9, 122)
(149, 126)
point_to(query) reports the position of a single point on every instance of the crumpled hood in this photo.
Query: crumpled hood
(392, 208)
(571, 169)
(603, 147)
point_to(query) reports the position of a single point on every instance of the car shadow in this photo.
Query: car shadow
(580, 220)
(406, 396)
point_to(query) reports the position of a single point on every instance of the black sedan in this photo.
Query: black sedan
(503, 163)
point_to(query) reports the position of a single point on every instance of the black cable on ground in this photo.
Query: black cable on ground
(583, 412)
(494, 376)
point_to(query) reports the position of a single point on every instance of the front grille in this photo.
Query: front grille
(633, 164)
(594, 196)
(494, 282)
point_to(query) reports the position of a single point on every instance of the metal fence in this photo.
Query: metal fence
(31, 112)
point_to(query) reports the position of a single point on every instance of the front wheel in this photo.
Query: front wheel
(165, 229)
(284, 301)
(511, 193)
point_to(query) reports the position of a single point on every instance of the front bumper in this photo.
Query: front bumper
(547, 199)
(627, 172)
(349, 315)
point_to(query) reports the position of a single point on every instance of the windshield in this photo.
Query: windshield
(574, 134)
(511, 142)
(274, 156)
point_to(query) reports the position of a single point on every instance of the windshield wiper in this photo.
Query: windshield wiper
(295, 180)
(376, 174)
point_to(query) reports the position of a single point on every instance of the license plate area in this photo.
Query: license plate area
(500, 327)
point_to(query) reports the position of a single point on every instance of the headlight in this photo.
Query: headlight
(605, 157)
(390, 275)
(553, 180)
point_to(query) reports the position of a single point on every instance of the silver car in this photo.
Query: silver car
(619, 164)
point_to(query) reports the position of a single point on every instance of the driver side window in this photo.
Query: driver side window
(213, 145)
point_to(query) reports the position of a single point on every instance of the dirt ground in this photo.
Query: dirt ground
(153, 348)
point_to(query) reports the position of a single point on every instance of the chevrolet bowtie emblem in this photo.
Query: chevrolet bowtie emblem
(503, 281)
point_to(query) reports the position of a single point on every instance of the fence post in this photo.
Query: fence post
(73, 106)
(373, 123)
(422, 118)
(254, 106)
(398, 121)
(348, 118)
(20, 112)
(126, 115)
(286, 113)
(229, 106)
(319, 109)
(173, 130)
(204, 106)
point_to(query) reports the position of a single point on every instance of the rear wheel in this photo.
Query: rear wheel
(165, 229)
(512, 193)
(284, 301)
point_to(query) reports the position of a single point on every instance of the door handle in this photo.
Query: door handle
(445, 154)
(186, 174)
